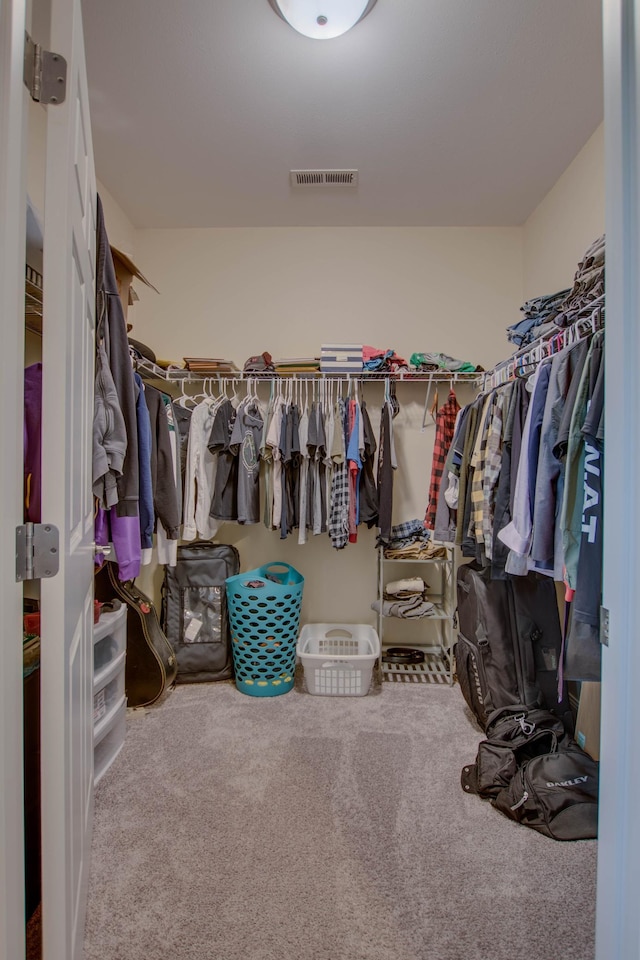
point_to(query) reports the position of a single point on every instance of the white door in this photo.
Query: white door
(67, 599)
(13, 99)
(618, 917)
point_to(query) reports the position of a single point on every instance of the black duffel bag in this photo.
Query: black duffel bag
(514, 735)
(555, 794)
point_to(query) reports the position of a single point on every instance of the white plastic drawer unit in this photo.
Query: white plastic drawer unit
(109, 638)
(108, 688)
(109, 699)
(109, 740)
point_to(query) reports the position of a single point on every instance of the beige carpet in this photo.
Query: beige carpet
(321, 828)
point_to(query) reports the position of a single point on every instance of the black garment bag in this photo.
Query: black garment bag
(509, 643)
(194, 610)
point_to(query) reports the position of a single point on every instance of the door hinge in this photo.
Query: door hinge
(45, 73)
(604, 626)
(37, 551)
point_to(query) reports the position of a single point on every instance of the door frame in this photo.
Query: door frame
(13, 197)
(618, 919)
(617, 915)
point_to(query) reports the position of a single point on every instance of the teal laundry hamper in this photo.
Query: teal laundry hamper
(264, 613)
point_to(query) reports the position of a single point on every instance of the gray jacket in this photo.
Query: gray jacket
(109, 434)
(111, 330)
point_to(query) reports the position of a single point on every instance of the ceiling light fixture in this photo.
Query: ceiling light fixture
(322, 19)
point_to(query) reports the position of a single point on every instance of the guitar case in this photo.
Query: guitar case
(150, 664)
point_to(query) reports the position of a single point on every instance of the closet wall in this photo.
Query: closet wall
(234, 292)
(563, 225)
(122, 232)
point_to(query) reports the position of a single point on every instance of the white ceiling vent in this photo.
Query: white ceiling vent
(324, 178)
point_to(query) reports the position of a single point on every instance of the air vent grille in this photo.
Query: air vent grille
(324, 178)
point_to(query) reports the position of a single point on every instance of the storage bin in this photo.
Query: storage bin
(338, 658)
(108, 688)
(264, 613)
(109, 638)
(110, 741)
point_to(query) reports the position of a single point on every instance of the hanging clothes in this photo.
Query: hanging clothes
(316, 493)
(200, 475)
(505, 493)
(387, 464)
(119, 525)
(573, 497)
(289, 456)
(112, 454)
(165, 501)
(368, 489)
(445, 426)
(111, 331)
(583, 655)
(492, 467)
(245, 444)
(354, 466)
(272, 455)
(339, 513)
(477, 468)
(448, 499)
(517, 534)
(109, 431)
(182, 421)
(546, 545)
(303, 474)
(167, 548)
(224, 501)
(144, 471)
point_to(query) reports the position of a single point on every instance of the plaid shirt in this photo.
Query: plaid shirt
(492, 467)
(409, 530)
(339, 509)
(445, 426)
(339, 515)
(477, 470)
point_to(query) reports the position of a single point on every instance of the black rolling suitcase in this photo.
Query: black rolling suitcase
(509, 642)
(194, 611)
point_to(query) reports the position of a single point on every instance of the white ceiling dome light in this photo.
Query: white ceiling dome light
(322, 19)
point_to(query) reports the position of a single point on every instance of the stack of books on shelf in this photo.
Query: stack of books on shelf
(209, 365)
(297, 365)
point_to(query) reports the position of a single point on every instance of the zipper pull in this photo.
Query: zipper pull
(523, 799)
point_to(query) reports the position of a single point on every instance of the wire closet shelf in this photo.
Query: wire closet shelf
(179, 375)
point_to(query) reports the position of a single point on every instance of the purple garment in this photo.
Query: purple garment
(33, 443)
(124, 534)
(145, 501)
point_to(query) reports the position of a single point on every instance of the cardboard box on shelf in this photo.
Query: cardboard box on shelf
(588, 719)
(126, 270)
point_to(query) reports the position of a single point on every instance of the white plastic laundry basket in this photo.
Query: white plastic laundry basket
(338, 658)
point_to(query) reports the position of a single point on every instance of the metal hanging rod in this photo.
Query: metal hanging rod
(179, 375)
(523, 361)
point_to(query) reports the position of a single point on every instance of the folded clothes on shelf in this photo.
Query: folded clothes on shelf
(410, 540)
(407, 587)
(416, 550)
(382, 361)
(410, 531)
(410, 609)
(441, 361)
